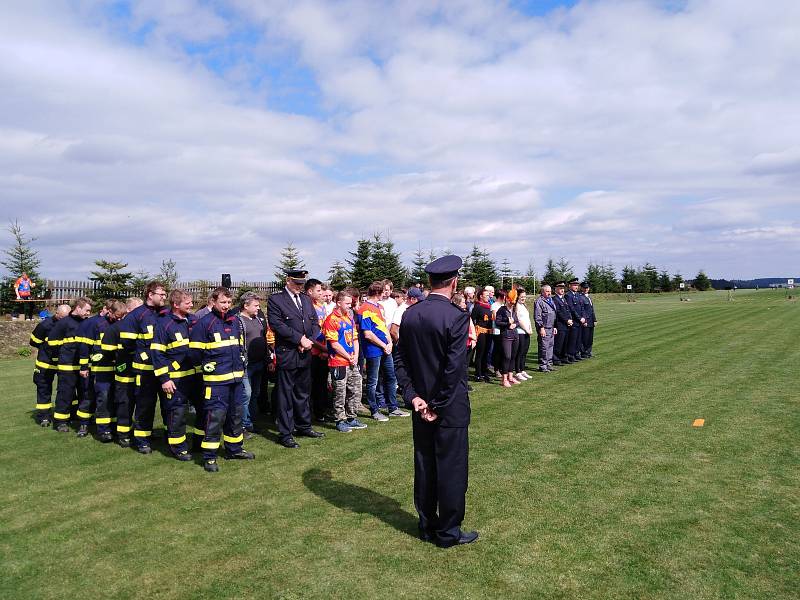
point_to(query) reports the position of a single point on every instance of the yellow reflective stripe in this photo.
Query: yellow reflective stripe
(121, 379)
(103, 420)
(83, 361)
(97, 369)
(63, 416)
(142, 367)
(197, 345)
(69, 368)
(44, 406)
(123, 428)
(179, 374)
(35, 339)
(161, 371)
(226, 377)
(178, 343)
(44, 365)
(199, 431)
(143, 355)
(140, 433)
(155, 346)
(127, 335)
(217, 336)
(208, 393)
(74, 403)
(59, 342)
(176, 365)
(176, 440)
(222, 344)
(84, 415)
(83, 340)
(109, 347)
(233, 440)
(209, 445)
(148, 335)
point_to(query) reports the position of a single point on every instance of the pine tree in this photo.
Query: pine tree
(337, 276)
(701, 282)
(648, 278)
(168, 274)
(609, 277)
(482, 270)
(417, 273)
(629, 277)
(677, 280)
(557, 271)
(594, 277)
(141, 277)
(290, 259)
(664, 282)
(360, 263)
(386, 262)
(505, 274)
(111, 280)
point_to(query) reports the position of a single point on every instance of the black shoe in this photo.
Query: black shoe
(211, 465)
(310, 433)
(241, 455)
(62, 428)
(467, 537)
(45, 423)
(577, 357)
(144, 449)
(427, 536)
(83, 431)
(183, 456)
(557, 363)
(289, 443)
(106, 437)
(544, 370)
(124, 442)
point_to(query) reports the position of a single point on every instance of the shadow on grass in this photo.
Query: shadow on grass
(358, 499)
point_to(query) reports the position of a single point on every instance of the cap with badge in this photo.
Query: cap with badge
(445, 267)
(574, 281)
(561, 284)
(415, 292)
(296, 275)
(585, 285)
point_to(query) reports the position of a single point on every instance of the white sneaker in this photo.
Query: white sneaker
(379, 417)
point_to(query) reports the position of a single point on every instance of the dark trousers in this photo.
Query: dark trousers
(522, 352)
(68, 394)
(587, 340)
(574, 339)
(105, 411)
(43, 379)
(496, 353)
(441, 467)
(175, 408)
(222, 418)
(86, 403)
(560, 343)
(124, 391)
(319, 387)
(148, 392)
(293, 389)
(482, 355)
(510, 345)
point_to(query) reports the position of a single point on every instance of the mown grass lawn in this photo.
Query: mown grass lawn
(586, 483)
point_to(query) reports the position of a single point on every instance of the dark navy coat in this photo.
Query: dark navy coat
(289, 324)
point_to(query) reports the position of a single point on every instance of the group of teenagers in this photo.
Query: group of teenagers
(324, 350)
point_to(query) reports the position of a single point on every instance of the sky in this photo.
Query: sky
(214, 133)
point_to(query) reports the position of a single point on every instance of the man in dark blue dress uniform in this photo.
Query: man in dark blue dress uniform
(578, 319)
(432, 372)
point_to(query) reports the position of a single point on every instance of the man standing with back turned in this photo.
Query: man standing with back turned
(432, 372)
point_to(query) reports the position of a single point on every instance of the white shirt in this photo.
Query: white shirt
(389, 307)
(523, 319)
(329, 306)
(398, 314)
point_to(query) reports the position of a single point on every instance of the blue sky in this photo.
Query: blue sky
(614, 131)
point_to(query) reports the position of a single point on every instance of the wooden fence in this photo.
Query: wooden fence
(55, 290)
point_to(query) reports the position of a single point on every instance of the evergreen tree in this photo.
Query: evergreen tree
(505, 274)
(594, 277)
(417, 273)
(701, 282)
(648, 278)
(629, 277)
(484, 271)
(290, 259)
(141, 277)
(360, 263)
(386, 262)
(337, 276)
(111, 280)
(664, 282)
(557, 271)
(528, 280)
(168, 274)
(609, 277)
(20, 258)
(677, 280)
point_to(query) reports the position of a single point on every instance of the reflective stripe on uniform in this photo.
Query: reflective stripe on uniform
(178, 344)
(155, 346)
(222, 343)
(176, 440)
(209, 445)
(103, 420)
(161, 371)
(225, 377)
(121, 379)
(127, 335)
(199, 431)
(233, 440)
(140, 433)
(208, 393)
(44, 365)
(36, 340)
(95, 369)
(44, 406)
(61, 416)
(142, 367)
(84, 415)
(69, 368)
(123, 428)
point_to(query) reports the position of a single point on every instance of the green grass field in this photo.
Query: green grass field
(586, 483)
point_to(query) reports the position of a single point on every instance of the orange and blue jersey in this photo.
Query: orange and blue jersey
(371, 319)
(339, 329)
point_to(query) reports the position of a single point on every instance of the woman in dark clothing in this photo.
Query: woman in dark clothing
(482, 318)
(506, 321)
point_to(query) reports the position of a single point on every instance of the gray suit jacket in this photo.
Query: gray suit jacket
(544, 315)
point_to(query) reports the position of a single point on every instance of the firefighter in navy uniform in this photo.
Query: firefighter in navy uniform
(587, 333)
(89, 333)
(563, 325)
(62, 342)
(124, 377)
(136, 333)
(175, 370)
(578, 319)
(103, 366)
(46, 365)
(432, 372)
(217, 345)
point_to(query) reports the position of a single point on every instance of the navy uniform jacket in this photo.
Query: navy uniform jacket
(289, 324)
(44, 358)
(170, 348)
(575, 306)
(431, 360)
(588, 310)
(136, 332)
(62, 343)
(563, 313)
